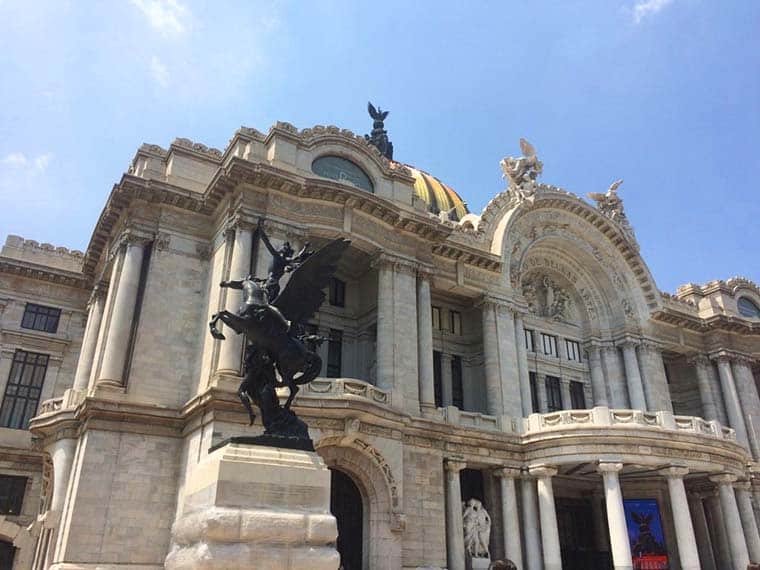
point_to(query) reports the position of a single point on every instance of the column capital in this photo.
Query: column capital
(723, 479)
(99, 291)
(743, 485)
(650, 345)
(498, 303)
(674, 472)
(507, 473)
(454, 465)
(609, 467)
(397, 263)
(698, 359)
(542, 471)
(628, 341)
(721, 356)
(425, 272)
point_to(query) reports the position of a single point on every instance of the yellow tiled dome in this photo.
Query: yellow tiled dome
(438, 196)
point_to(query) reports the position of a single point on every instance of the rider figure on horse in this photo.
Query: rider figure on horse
(255, 298)
(284, 260)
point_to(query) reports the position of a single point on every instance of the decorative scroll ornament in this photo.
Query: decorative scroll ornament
(522, 172)
(611, 205)
(546, 299)
(477, 529)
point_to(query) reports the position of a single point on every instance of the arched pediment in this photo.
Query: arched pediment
(512, 227)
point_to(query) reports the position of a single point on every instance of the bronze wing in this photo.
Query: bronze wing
(304, 292)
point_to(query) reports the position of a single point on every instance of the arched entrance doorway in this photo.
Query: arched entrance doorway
(346, 505)
(7, 553)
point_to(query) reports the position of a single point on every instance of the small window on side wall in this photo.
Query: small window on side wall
(40, 318)
(337, 292)
(342, 170)
(436, 312)
(748, 309)
(455, 322)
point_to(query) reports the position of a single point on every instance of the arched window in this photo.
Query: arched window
(748, 309)
(342, 170)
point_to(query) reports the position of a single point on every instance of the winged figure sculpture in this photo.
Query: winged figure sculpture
(377, 114)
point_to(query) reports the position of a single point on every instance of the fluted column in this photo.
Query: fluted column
(447, 391)
(533, 554)
(425, 342)
(567, 399)
(736, 541)
(116, 341)
(491, 359)
(601, 536)
(90, 339)
(384, 325)
(548, 515)
(685, 537)
(633, 376)
(598, 388)
(615, 377)
(731, 399)
(510, 516)
(721, 548)
(747, 390)
(454, 527)
(522, 366)
(231, 350)
(749, 523)
(655, 380)
(701, 367)
(619, 543)
(701, 531)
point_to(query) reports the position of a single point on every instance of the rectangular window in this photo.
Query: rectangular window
(455, 322)
(536, 406)
(573, 350)
(22, 394)
(457, 390)
(334, 353)
(39, 318)
(577, 395)
(529, 342)
(549, 343)
(436, 312)
(12, 490)
(553, 394)
(437, 381)
(337, 292)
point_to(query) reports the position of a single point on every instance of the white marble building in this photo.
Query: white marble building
(523, 356)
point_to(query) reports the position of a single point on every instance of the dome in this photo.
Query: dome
(437, 196)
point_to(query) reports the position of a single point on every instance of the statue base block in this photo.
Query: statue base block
(479, 563)
(255, 507)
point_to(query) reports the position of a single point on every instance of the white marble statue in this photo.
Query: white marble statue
(523, 171)
(610, 203)
(477, 529)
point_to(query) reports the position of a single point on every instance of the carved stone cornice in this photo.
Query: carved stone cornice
(507, 473)
(43, 273)
(723, 479)
(674, 472)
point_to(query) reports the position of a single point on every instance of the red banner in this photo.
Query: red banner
(650, 562)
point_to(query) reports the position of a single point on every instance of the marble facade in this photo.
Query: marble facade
(442, 366)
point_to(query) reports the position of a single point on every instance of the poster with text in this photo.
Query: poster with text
(648, 550)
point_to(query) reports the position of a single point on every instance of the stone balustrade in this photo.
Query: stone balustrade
(605, 417)
(345, 387)
(70, 399)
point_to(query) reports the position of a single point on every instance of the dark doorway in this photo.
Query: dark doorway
(346, 506)
(472, 486)
(576, 536)
(7, 552)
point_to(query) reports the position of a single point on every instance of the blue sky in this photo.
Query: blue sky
(664, 94)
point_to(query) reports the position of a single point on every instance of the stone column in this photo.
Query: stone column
(543, 401)
(491, 359)
(567, 400)
(231, 350)
(533, 556)
(736, 542)
(384, 324)
(747, 515)
(510, 516)
(619, 543)
(655, 379)
(548, 516)
(747, 389)
(123, 311)
(447, 392)
(687, 544)
(633, 376)
(62, 455)
(701, 367)
(522, 366)
(615, 377)
(425, 342)
(701, 531)
(731, 399)
(454, 527)
(721, 549)
(90, 339)
(598, 388)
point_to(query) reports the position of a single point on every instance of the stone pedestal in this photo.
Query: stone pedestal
(479, 563)
(256, 507)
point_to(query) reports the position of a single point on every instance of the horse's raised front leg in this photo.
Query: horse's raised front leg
(212, 326)
(293, 391)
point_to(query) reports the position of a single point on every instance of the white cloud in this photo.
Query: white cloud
(159, 71)
(170, 17)
(18, 160)
(645, 8)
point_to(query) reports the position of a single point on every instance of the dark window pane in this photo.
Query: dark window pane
(534, 393)
(22, 393)
(11, 494)
(334, 353)
(553, 394)
(342, 170)
(40, 318)
(437, 384)
(337, 292)
(457, 390)
(577, 396)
